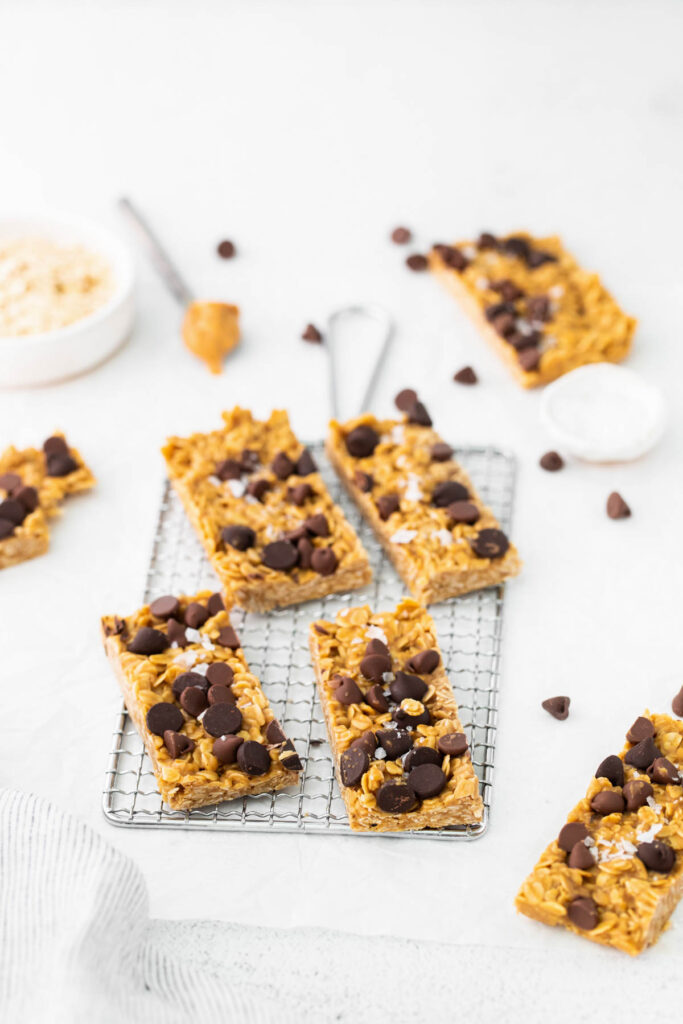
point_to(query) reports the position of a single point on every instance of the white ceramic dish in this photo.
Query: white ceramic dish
(33, 359)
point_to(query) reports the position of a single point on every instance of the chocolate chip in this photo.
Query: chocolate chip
(177, 744)
(507, 289)
(61, 465)
(219, 694)
(324, 561)
(225, 748)
(447, 492)
(353, 765)
(221, 719)
(581, 857)
(361, 441)
(496, 309)
(176, 633)
(274, 732)
(317, 525)
(405, 399)
(376, 699)
(504, 324)
(193, 699)
(406, 686)
(463, 512)
(148, 641)
(537, 258)
(401, 236)
(363, 481)
(215, 604)
(466, 376)
(346, 691)
(28, 496)
(253, 758)
(280, 555)
(373, 666)
(656, 856)
(55, 446)
(636, 793)
(289, 758)
(12, 510)
(517, 246)
(424, 662)
(163, 716)
(452, 257)
(551, 461)
(10, 482)
(299, 494)
(250, 460)
(570, 834)
(405, 719)
(417, 262)
(115, 628)
(306, 464)
(612, 769)
(489, 544)
(227, 637)
(643, 754)
(258, 488)
(165, 607)
(422, 755)
(305, 549)
(226, 249)
(395, 798)
(376, 646)
(608, 801)
(387, 504)
(426, 781)
(583, 913)
(396, 742)
(677, 704)
(663, 772)
(617, 507)
(195, 615)
(453, 744)
(558, 707)
(7, 528)
(487, 241)
(311, 333)
(640, 730)
(528, 359)
(538, 307)
(229, 469)
(187, 679)
(440, 452)
(418, 415)
(367, 741)
(282, 466)
(296, 535)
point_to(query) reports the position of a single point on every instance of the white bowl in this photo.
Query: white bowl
(31, 359)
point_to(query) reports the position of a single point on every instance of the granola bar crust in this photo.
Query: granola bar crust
(438, 563)
(196, 778)
(338, 648)
(212, 504)
(586, 325)
(633, 903)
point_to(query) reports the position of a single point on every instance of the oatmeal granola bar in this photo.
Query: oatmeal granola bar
(615, 872)
(32, 484)
(400, 752)
(267, 522)
(421, 504)
(204, 719)
(542, 312)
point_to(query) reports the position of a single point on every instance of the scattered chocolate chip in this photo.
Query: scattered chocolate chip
(422, 755)
(663, 772)
(401, 236)
(487, 241)
(440, 452)
(558, 707)
(7, 528)
(581, 857)
(571, 834)
(538, 307)
(489, 544)
(219, 673)
(296, 535)
(311, 333)
(249, 460)
(447, 492)
(289, 758)
(353, 765)
(376, 646)
(258, 488)
(452, 744)
(282, 466)
(612, 769)
(305, 549)
(346, 691)
(551, 461)
(373, 666)
(537, 258)
(187, 679)
(496, 309)
(404, 718)
(115, 628)
(148, 641)
(387, 504)
(418, 415)
(361, 441)
(466, 376)
(677, 704)
(221, 719)
(274, 732)
(396, 742)
(405, 399)
(363, 481)
(452, 257)
(656, 856)
(229, 469)
(219, 694)
(215, 604)
(424, 662)
(306, 464)
(55, 446)
(12, 510)
(176, 633)
(608, 801)
(507, 289)
(463, 512)
(504, 324)
(280, 555)
(28, 497)
(407, 687)
(61, 465)
(253, 758)
(643, 754)
(226, 249)
(317, 525)
(227, 637)
(517, 246)
(193, 699)
(376, 699)
(10, 482)
(426, 781)
(225, 748)
(165, 607)
(417, 262)
(528, 359)
(163, 716)
(520, 341)
(195, 615)
(640, 730)
(583, 913)
(299, 494)
(636, 793)
(177, 744)
(324, 561)
(617, 507)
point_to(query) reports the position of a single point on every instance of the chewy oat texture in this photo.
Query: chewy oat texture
(543, 313)
(33, 483)
(205, 721)
(400, 752)
(439, 535)
(267, 522)
(615, 872)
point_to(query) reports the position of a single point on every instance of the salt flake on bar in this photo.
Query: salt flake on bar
(193, 635)
(444, 535)
(413, 491)
(403, 536)
(376, 633)
(397, 433)
(186, 658)
(215, 481)
(238, 487)
(649, 834)
(481, 283)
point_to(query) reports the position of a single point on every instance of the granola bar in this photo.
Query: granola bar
(543, 313)
(267, 522)
(33, 483)
(615, 872)
(421, 504)
(205, 721)
(400, 752)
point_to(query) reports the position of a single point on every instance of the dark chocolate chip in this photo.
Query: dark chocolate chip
(317, 525)
(361, 441)
(7, 528)
(221, 719)
(507, 289)
(663, 772)
(353, 765)
(176, 633)
(299, 494)
(177, 744)
(376, 646)
(490, 544)
(274, 732)
(55, 446)
(238, 536)
(537, 258)
(677, 704)
(253, 758)
(289, 758)
(422, 755)
(373, 666)
(163, 716)
(406, 686)
(558, 707)
(515, 245)
(551, 461)
(258, 488)
(453, 744)
(10, 482)
(404, 719)
(225, 748)
(195, 615)
(115, 628)
(306, 464)
(165, 607)
(193, 699)
(396, 742)
(324, 561)
(447, 492)
(656, 856)
(608, 801)
(219, 694)
(581, 857)
(227, 637)
(28, 496)
(12, 510)
(466, 376)
(463, 512)
(296, 535)
(215, 604)
(617, 507)
(426, 781)
(148, 641)
(249, 460)
(612, 769)
(538, 307)
(401, 236)
(280, 555)
(640, 730)
(520, 341)
(528, 359)
(636, 793)
(487, 241)
(387, 504)
(363, 481)
(453, 257)
(187, 679)
(61, 465)
(416, 261)
(405, 399)
(504, 324)
(367, 741)
(643, 754)
(395, 798)
(496, 309)
(424, 662)
(571, 834)
(219, 673)
(311, 333)
(583, 913)
(346, 691)
(305, 549)
(440, 452)
(226, 249)
(376, 699)
(229, 469)
(417, 414)
(282, 466)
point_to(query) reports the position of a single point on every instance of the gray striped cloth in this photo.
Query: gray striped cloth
(74, 943)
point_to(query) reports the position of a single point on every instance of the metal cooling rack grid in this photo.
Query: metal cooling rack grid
(276, 648)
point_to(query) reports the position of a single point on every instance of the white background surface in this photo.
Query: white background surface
(306, 132)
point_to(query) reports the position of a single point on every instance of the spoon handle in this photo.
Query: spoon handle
(160, 259)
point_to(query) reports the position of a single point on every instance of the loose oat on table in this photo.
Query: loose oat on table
(615, 872)
(266, 519)
(543, 313)
(207, 725)
(438, 533)
(400, 752)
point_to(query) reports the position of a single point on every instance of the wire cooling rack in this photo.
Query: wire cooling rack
(276, 648)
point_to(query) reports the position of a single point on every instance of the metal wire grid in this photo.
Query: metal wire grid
(276, 648)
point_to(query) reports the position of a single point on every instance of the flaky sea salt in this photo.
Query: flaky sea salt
(557, 291)
(443, 535)
(193, 635)
(238, 487)
(649, 834)
(397, 434)
(215, 481)
(186, 658)
(376, 633)
(403, 536)
(481, 283)
(413, 491)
